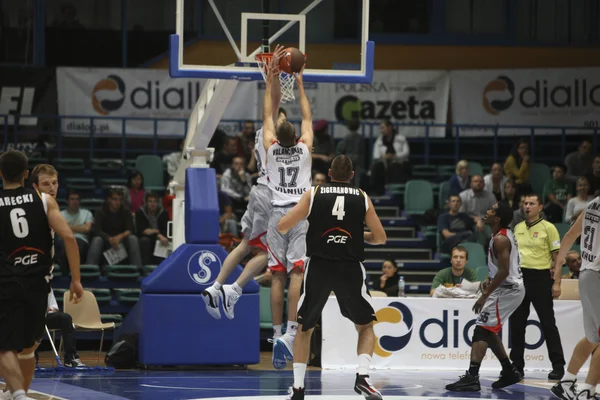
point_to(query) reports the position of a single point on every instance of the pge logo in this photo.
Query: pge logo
(397, 318)
(498, 95)
(203, 267)
(108, 95)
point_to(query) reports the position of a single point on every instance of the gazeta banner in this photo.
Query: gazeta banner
(427, 333)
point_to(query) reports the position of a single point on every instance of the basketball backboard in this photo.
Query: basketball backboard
(249, 25)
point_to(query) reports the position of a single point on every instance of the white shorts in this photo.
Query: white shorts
(589, 293)
(256, 218)
(498, 308)
(286, 251)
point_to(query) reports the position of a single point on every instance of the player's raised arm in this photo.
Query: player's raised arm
(268, 123)
(306, 130)
(377, 234)
(276, 86)
(296, 214)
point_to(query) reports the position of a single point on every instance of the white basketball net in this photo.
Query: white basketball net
(286, 80)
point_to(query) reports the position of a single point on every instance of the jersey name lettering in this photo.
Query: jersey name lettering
(287, 151)
(339, 190)
(295, 191)
(16, 200)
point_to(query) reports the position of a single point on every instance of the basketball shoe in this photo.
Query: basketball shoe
(565, 390)
(466, 383)
(507, 378)
(283, 351)
(585, 395)
(212, 297)
(295, 394)
(230, 297)
(363, 386)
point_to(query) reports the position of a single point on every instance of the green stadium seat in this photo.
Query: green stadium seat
(266, 321)
(424, 171)
(106, 165)
(151, 168)
(446, 171)
(395, 188)
(103, 296)
(482, 273)
(475, 168)
(148, 269)
(69, 164)
(80, 183)
(118, 271)
(443, 192)
(116, 318)
(90, 271)
(33, 161)
(418, 197)
(128, 295)
(477, 255)
(539, 174)
(562, 228)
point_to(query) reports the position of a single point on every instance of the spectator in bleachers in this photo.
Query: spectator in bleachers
(223, 158)
(454, 275)
(323, 147)
(151, 222)
(519, 215)
(510, 194)
(56, 319)
(454, 227)
(388, 281)
(80, 221)
(251, 167)
(174, 159)
(476, 201)
(319, 179)
(579, 163)
(237, 183)
(390, 158)
(227, 220)
(244, 137)
(573, 261)
(558, 192)
(460, 181)
(135, 191)
(353, 146)
(578, 203)
(114, 226)
(516, 166)
(593, 177)
(494, 181)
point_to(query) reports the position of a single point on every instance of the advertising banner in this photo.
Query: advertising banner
(526, 97)
(424, 333)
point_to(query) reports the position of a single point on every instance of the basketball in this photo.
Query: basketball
(292, 61)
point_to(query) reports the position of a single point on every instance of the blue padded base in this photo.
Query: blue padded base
(177, 330)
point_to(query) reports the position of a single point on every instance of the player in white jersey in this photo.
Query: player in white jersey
(501, 295)
(289, 171)
(254, 224)
(586, 226)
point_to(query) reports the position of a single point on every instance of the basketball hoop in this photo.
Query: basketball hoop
(286, 80)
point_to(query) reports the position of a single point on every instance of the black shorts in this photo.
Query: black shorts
(23, 305)
(346, 279)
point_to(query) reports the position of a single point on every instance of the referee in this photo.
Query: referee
(539, 243)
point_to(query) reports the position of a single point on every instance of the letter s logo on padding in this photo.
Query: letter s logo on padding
(203, 267)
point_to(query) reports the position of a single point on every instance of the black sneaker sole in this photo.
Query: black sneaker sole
(559, 392)
(472, 388)
(501, 385)
(367, 395)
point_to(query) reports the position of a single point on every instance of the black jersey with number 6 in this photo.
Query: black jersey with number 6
(25, 238)
(336, 218)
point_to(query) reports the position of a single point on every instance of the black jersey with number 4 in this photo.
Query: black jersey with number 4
(336, 218)
(25, 238)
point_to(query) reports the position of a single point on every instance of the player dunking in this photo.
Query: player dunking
(26, 218)
(502, 293)
(335, 247)
(586, 226)
(254, 224)
(289, 171)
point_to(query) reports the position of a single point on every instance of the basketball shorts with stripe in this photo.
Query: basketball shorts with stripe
(589, 292)
(500, 305)
(255, 220)
(346, 279)
(286, 250)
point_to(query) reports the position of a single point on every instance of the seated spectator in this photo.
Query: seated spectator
(516, 166)
(224, 156)
(573, 261)
(245, 137)
(579, 163)
(388, 281)
(80, 220)
(174, 159)
(593, 177)
(454, 227)
(510, 194)
(237, 183)
(56, 319)
(227, 220)
(151, 222)
(390, 159)
(353, 146)
(558, 192)
(454, 275)
(578, 203)
(494, 181)
(476, 201)
(114, 226)
(319, 179)
(460, 181)
(323, 147)
(135, 191)
(520, 216)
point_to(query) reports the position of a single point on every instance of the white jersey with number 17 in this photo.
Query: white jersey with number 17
(260, 155)
(289, 170)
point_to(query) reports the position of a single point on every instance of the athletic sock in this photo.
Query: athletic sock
(19, 395)
(506, 364)
(292, 328)
(217, 285)
(277, 331)
(237, 288)
(569, 376)
(364, 362)
(299, 372)
(474, 368)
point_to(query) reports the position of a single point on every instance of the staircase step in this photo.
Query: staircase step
(400, 233)
(403, 243)
(384, 201)
(397, 253)
(397, 221)
(374, 263)
(387, 211)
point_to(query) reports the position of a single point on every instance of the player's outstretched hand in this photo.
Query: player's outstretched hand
(76, 292)
(278, 55)
(299, 75)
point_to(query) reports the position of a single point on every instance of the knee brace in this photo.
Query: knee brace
(482, 335)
